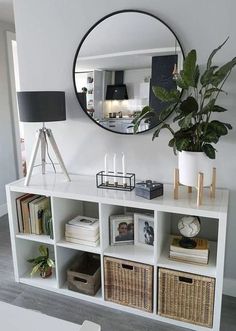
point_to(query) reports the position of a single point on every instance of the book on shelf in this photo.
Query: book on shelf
(26, 213)
(34, 214)
(199, 254)
(82, 242)
(82, 230)
(19, 211)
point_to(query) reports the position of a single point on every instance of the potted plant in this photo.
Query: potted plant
(196, 132)
(42, 263)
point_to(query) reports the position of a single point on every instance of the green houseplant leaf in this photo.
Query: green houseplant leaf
(193, 109)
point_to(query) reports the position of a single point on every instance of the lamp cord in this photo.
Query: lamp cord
(45, 138)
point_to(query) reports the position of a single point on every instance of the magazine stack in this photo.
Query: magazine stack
(199, 254)
(82, 230)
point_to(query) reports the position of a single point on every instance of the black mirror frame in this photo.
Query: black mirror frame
(81, 43)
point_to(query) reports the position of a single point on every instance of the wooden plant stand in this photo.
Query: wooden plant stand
(199, 187)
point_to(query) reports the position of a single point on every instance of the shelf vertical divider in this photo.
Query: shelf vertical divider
(155, 285)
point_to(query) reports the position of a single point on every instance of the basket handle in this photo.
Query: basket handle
(82, 280)
(185, 280)
(126, 266)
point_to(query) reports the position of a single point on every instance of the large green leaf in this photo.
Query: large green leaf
(163, 126)
(43, 250)
(182, 144)
(223, 72)
(189, 105)
(218, 109)
(190, 69)
(209, 150)
(181, 82)
(208, 93)
(166, 112)
(214, 52)
(208, 107)
(186, 122)
(146, 113)
(165, 95)
(211, 137)
(219, 127)
(207, 75)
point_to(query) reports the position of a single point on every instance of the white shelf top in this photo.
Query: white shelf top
(97, 298)
(84, 248)
(84, 188)
(35, 237)
(132, 253)
(208, 270)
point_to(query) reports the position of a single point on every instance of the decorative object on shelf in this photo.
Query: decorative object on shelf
(124, 181)
(193, 111)
(43, 106)
(189, 227)
(149, 189)
(42, 263)
(121, 229)
(128, 283)
(84, 275)
(143, 230)
(83, 230)
(183, 306)
(198, 255)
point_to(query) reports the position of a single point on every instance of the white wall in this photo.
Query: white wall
(7, 154)
(48, 33)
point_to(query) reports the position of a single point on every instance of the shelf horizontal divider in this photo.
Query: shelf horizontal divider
(132, 253)
(78, 247)
(41, 238)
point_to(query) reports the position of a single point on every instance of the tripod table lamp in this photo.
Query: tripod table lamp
(42, 106)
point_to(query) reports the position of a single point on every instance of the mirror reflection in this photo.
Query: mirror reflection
(117, 64)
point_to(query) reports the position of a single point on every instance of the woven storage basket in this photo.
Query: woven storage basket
(186, 297)
(129, 283)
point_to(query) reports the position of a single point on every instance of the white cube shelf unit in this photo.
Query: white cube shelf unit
(81, 196)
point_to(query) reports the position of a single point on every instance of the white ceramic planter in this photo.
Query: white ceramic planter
(190, 164)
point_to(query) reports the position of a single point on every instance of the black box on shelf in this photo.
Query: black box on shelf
(149, 189)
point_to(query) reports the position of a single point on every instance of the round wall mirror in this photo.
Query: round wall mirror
(118, 62)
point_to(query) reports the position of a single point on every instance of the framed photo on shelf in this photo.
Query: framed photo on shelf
(144, 230)
(121, 230)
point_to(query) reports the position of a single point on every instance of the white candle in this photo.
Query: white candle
(105, 164)
(114, 167)
(123, 168)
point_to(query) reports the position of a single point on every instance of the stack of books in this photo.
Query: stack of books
(198, 255)
(34, 214)
(82, 230)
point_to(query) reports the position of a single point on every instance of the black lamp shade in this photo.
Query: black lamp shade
(41, 106)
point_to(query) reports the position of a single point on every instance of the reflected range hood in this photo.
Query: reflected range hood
(118, 91)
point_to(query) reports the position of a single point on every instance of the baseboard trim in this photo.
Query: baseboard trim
(3, 209)
(229, 287)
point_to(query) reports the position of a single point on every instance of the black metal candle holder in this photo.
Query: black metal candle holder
(115, 181)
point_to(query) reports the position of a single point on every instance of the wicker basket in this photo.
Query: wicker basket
(129, 283)
(85, 274)
(186, 297)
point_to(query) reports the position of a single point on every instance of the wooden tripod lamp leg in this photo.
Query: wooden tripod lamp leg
(176, 184)
(190, 189)
(213, 184)
(200, 188)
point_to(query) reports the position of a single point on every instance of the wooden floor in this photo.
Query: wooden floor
(77, 311)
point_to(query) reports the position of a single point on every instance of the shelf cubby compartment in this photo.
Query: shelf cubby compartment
(65, 259)
(65, 210)
(25, 250)
(130, 252)
(167, 228)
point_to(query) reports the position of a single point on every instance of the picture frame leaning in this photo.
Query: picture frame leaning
(144, 230)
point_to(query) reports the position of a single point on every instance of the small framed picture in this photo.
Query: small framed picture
(121, 229)
(144, 230)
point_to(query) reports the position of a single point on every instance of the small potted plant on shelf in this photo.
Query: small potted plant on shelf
(42, 263)
(196, 132)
